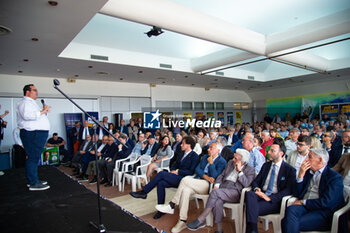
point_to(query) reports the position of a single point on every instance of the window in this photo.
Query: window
(187, 105)
(209, 105)
(219, 106)
(198, 105)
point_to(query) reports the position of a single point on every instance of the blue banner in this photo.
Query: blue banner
(69, 120)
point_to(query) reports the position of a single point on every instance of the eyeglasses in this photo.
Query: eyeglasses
(325, 135)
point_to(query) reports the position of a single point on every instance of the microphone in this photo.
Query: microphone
(56, 82)
(43, 102)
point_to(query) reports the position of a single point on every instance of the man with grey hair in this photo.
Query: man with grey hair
(257, 159)
(207, 171)
(291, 144)
(319, 193)
(227, 188)
(226, 152)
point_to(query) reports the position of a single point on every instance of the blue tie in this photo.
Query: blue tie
(271, 182)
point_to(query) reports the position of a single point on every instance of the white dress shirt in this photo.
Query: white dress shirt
(29, 117)
(278, 166)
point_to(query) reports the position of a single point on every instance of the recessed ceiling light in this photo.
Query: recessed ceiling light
(140, 71)
(163, 82)
(102, 73)
(35, 39)
(90, 67)
(58, 70)
(192, 84)
(25, 60)
(216, 80)
(186, 76)
(52, 3)
(121, 79)
(77, 75)
(20, 71)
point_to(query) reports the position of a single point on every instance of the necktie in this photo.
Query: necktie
(271, 181)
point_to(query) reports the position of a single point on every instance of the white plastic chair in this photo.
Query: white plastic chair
(117, 172)
(335, 220)
(165, 163)
(140, 172)
(276, 218)
(204, 198)
(237, 211)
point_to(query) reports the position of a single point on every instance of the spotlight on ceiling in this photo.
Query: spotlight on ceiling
(155, 31)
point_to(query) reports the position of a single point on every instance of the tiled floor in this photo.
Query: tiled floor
(166, 222)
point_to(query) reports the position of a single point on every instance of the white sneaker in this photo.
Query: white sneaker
(165, 209)
(2, 173)
(180, 225)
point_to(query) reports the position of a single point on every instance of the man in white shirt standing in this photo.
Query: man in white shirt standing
(34, 128)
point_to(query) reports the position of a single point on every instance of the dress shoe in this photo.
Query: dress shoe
(165, 209)
(104, 181)
(196, 224)
(93, 181)
(139, 194)
(108, 184)
(158, 215)
(180, 225)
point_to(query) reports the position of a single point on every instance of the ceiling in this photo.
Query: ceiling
(201, 38)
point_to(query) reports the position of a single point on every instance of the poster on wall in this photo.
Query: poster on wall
(345, 108)
(221, 117)
(309, 107)
(50, 156)
(239, 117)
(210, 115)
(230, 118)
(200, 116)
(69, 120)
(331, 110)
(94, 115)
(187, 115)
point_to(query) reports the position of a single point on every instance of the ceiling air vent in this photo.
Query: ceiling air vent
(99, 57)
(168, 66)
(251, 77)
(219, 73)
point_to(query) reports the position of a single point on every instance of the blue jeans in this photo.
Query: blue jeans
(33, 143)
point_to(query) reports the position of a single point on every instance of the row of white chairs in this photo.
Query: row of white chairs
(134, 168)
(238, 214)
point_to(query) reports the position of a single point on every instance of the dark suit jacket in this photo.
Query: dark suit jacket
(110, 151)
(285, 180)
(124, 130)
(123, 153)
(2, 125)
(187, 165)
(243, 181)
(330, 191)
(227, 153)
(177, 153)
(74, 138)
(213, 170)
(153, 151)
(343, 165)
(89, 146)
(334, 155)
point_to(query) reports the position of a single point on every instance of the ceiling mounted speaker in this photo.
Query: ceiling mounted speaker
(71, 80)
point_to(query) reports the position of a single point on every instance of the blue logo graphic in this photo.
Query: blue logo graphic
(151, 120)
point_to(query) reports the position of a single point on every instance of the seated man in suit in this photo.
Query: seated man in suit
(206, 172)
(297, 157)
(237, 175)
(184, 166)
(337, 150)
(319, 192)
(274, 181)
(122, 152)
(226, 152)
(151, 147)
(343, 168)
(85, 148)
(90, 157)
(107, 157)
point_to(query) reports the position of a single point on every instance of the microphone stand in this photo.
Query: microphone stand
(100, 227)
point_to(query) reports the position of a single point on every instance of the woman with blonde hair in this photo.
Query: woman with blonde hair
(315, 142)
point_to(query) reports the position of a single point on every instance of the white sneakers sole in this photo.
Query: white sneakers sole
(165, 209)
